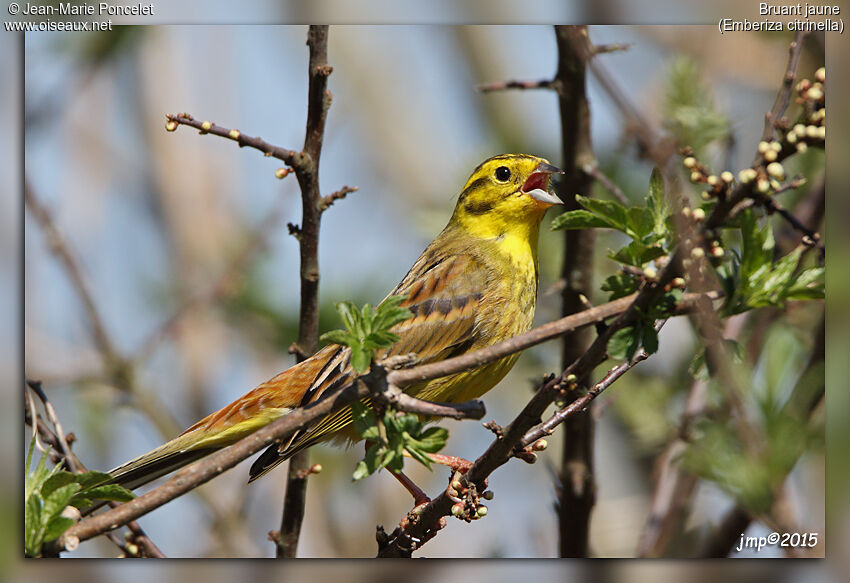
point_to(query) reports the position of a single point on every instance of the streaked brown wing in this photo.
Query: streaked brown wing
(444, 295)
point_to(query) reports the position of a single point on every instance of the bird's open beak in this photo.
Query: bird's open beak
(537, 185)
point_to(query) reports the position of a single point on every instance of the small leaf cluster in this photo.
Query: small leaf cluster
(48, 492)
(367, 330)
(391, 434)
(648, 227)
(651, 233)
(753, 279)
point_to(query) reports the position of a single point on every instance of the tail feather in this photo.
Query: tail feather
(156, 463)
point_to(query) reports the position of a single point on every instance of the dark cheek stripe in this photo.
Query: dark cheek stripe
(478, 208)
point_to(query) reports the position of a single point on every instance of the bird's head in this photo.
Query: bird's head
(506, 193)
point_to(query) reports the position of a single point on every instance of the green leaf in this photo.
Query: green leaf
(388, 318)
(407, 423)
(364, 421)
(689, 111)
(624, 343)
(360, 359)
(38, 476)
(55, 527)
(350, 318)
(697, 368)
(808, 284)
(110, 492)
(649, 338)
(377, 340)
(33, 525)
(360, 471)
(613, 212)
(55, 481)
(619, 285)
(637, 254)
(641, 222)
(416, 454)
(370, 464)
(432, 439)
(337, 337)
(656, 202)
(92, 478)
(756, 247)
(580, 219)
(56, 502)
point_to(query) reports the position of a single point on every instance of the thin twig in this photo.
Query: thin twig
(581, 403)
(63, 252)
(515, 84)
(328, 200)
(224, 286)
(611, 48)
(288, 157)
(594, 171)
(810, 238)
(783, 98)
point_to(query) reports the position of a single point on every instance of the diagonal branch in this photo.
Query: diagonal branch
(69, 260)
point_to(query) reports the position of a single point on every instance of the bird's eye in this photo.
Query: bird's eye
(503, 173)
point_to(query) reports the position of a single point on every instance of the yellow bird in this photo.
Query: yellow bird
(473, 286)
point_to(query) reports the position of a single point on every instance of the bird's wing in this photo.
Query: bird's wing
(443, 293)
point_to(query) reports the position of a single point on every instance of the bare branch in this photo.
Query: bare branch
(224, 286)
(66, 256)
(783, 98)
(593, 170)
(289, 157)
(515, 84)
(389, 394)
(328, 200)
(581, 403)
(611, 48)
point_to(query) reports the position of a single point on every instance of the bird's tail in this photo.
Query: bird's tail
(160, 461)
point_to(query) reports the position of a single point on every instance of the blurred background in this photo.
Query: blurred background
(183, 242)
